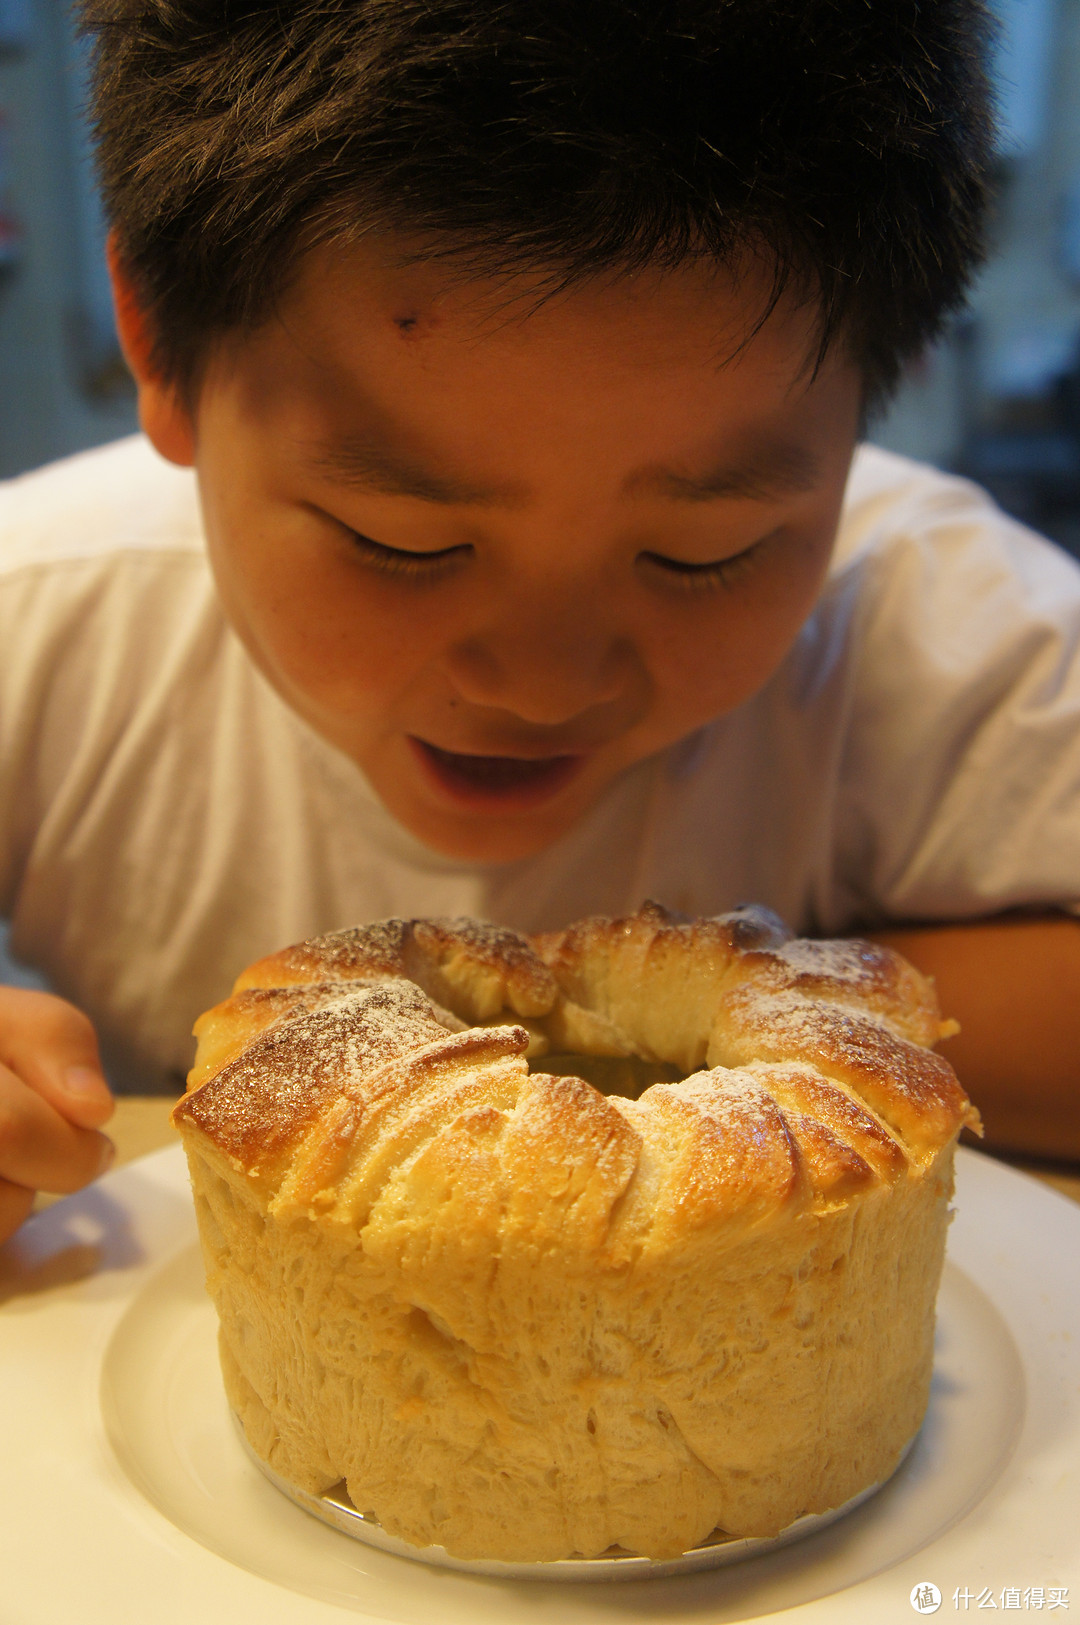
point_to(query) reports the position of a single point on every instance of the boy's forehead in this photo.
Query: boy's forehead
(700, 312)
(380, 360)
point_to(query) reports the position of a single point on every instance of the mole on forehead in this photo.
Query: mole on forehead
(415, 319)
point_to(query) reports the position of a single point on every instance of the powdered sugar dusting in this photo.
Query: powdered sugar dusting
(804, 1021)
(823, 1003)
(729, 1089)
(260, 1102)
(433, 953)
(348, 954)
(840, 961)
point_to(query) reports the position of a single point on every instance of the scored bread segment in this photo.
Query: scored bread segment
(581, 1320)
(479, 968)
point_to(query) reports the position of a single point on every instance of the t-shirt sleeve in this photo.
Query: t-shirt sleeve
(959, 782)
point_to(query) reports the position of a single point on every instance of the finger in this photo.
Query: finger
(15, 1204)
(52, 1047)
(41, 1149)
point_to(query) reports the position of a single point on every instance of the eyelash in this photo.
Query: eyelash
(683, 577)
(395, 561)
(707, 577)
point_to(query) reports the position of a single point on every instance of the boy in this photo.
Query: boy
(520, 353)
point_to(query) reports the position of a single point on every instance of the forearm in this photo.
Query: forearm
(1013, 984)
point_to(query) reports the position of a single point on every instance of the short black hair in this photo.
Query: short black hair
(848, 139)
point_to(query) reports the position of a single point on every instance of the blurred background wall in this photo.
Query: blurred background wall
(1000, 398)
(62, 384)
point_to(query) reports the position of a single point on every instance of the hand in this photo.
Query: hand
(53, 1099)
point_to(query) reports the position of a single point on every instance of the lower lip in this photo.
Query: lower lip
(496, 782)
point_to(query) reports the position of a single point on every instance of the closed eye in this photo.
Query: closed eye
(398, 561)
(689, 577)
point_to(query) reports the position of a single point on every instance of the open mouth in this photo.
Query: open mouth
(501, 780)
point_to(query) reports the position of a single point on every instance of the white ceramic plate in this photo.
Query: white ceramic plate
(126, 1496)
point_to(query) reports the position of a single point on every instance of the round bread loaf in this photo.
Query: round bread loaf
(524, 1315)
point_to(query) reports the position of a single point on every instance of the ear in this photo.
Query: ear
(166, 420)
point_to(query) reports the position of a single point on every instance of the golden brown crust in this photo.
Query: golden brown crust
(728, 1155)
(807, 1098)
(259, 1106)
(226, 1031)
(730, 992)
(914, 1092)
(482, 967)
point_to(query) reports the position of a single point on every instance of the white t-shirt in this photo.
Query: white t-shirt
(165, 818)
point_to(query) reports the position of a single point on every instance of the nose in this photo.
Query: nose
(552, 661)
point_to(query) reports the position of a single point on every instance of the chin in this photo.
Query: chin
(489, 838)
(491, 834)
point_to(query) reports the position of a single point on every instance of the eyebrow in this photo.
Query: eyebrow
(774, 468)
(378, 467)
(767, 471)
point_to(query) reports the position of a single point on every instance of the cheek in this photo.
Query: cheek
(726, 649)
(314, 621)
(342, 638)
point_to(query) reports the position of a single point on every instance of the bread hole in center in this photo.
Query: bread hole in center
(627, 1075)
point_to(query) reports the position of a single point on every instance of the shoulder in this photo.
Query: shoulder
(116, 501)
(927, 560)
(895, 507)
(104, 548)
(104, 584)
